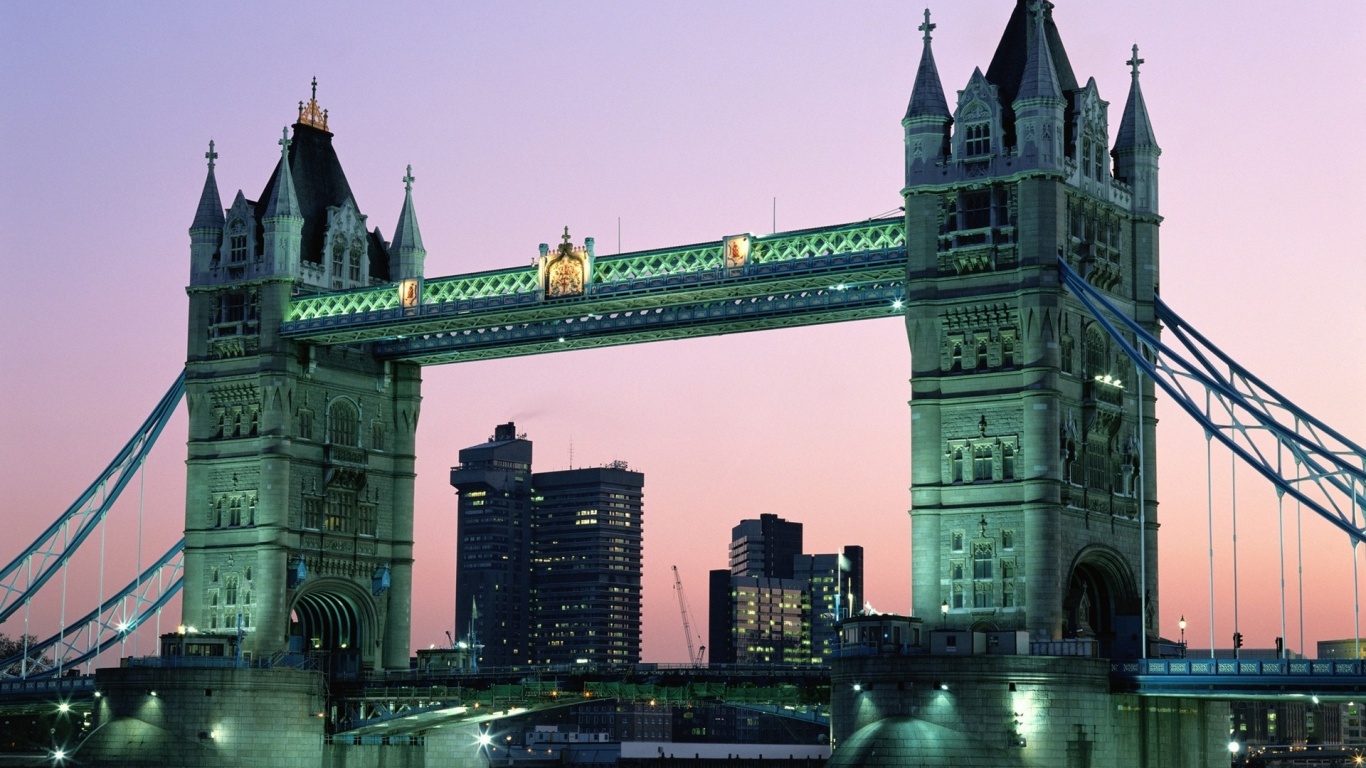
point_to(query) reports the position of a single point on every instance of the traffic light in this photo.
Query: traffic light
(1237, 640)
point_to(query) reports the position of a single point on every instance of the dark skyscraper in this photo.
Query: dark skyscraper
(548, 565)
(493, 557)
(586, 565)
(764, 547)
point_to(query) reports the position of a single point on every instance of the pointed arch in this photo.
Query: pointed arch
(343, 423)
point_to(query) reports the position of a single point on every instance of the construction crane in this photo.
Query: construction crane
(695, 653)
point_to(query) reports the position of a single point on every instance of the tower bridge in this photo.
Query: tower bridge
(1025, 268)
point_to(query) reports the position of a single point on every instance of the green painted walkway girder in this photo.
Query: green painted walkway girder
(831, 274)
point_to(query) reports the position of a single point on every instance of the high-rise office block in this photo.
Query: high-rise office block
(834, 591)
(548, 564)
(493, 557)
(775, 604)
(720, 618)
(586, 564)
(772, 621)
(764, 547)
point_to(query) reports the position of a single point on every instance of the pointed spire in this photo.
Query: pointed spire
(927, 96)
(1135, 130)
(209, 215)
(283, 200)
(407, 249)
(406, 234)
(1039, 79)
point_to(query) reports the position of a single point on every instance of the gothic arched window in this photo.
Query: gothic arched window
(981, 464)
(977, 139)
(982, 559)
(341, 424)
(1097, 353)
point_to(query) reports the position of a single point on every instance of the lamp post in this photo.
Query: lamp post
(1182, 625)
(944, 611)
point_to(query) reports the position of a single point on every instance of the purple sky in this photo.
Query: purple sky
(684, 120)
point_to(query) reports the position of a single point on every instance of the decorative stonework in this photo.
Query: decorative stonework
(345, 252)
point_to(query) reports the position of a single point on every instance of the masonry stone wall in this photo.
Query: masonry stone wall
(1027, 711)
(155, 717)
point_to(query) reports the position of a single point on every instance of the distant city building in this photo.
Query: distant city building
(775, 604)
(764, 547)
(1342, 649)
(833, 581)
(548, 564)
(493, 554)
(586, 565)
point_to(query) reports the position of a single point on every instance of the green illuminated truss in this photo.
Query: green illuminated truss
(832, 274)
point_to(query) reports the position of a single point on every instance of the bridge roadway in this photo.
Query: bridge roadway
(385, 705)
(831, 274)
(392, 704)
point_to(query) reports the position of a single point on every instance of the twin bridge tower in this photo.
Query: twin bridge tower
(1033, 500)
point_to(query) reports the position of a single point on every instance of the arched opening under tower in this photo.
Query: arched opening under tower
(334, 621)
(1102, 603)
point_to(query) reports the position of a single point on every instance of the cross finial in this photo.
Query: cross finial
(927, 27)
(315, 87)
(1134, 62)
(408, 180)
(284, 142)
(211, 155)
(566, 236)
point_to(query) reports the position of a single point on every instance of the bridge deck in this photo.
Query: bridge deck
(831, 274)
(1240, 678)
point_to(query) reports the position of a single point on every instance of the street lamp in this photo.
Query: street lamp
(1182, 624)
(944, 611)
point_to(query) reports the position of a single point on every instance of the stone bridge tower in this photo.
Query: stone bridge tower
(299, 498)
(1029, 459)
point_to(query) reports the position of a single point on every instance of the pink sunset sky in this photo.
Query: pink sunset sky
(684, 120)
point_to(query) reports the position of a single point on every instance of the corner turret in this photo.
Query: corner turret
(206, 232)
(1136, 149)
(1039, 105)
(927, 120)
(407, 256)
(283, 220)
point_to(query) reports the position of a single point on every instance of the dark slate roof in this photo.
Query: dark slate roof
(927, 96)
(283, 200)
(1135, 130)
(319, 182)
(406, 233)
(1039, 78)
(1008, 64)
(209, 215)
